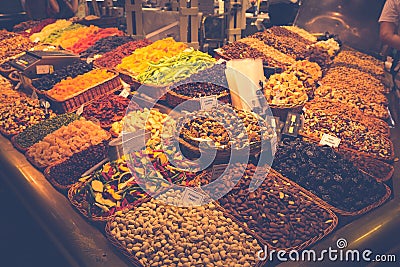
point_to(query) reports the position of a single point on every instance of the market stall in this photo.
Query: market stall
(61, 121)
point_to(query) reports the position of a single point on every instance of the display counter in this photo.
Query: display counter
(83, 244)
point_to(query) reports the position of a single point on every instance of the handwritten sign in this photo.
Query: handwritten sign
(208, 102)
(330, 140)
(80, 110)
(192, 197)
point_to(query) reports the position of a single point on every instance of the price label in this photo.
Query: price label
(220, 61)
(274, 144)
(217, 171)
(292, 124)
(34, 95)
(330, 140)
(126, 92)
(192, 197)
(80, 110)
(208, 102)
(43, 69)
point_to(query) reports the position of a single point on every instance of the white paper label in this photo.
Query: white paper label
(43, 69)
(34, 95)
(192, 197)
(80, 110)
(274, 144)
(220, 61)
(329, 140)
(125, 93)
(208, 102)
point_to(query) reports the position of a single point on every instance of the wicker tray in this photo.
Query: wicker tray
(222, 155)
(191, 103)
(6, 134)
(282, 112)
(78, 162)
(80, 98)
(378, 169)
(319, 202)
(134, 260)
(361, 154)
(364, 210)
(17, 146)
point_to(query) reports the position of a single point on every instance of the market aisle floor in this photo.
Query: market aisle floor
(22, 242)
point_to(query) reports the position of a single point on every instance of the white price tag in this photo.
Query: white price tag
(80, 110)
(208, 102)
(43, 69)
(126, 92)
(34, 95)
(330, 140)
(220, 61)
(274, 144)
(192, 197)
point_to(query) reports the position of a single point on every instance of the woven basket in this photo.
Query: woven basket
(129, 79)
(79, 163)
(80, 205)
(364, 210)
(6, 134)
(309, 196)
(282, 112)
(222, 155)
(134, 260)
(322, 204)
(378, 169)
(76, 100)
(191, 103)
(17, 145)
(388, 159)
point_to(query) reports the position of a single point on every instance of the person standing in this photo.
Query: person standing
(40, 9)
(62, 9)
(389, 24)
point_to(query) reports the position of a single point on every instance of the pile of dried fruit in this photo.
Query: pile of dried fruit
(48, 81)
(113, 58)
(327, 174)
(158, 234)
(352, 79)
(52, 37)
(159, 124)
(239, 50)
(224, 127)
(70, 38)
(277, 211)
(66, 141)
(71, 86)
(37, 132)
(49, 29)
(139, 61)
(90, 40)
(324, 107)
(353, 134)
(361, 61)
(13, 46)
(281, 39)
(21, 113)
(276, 58)
(109, 189)
(176, 68)
(303, 33)
(285, 90)
(211, 81)
(105, 45)
(108, 109)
